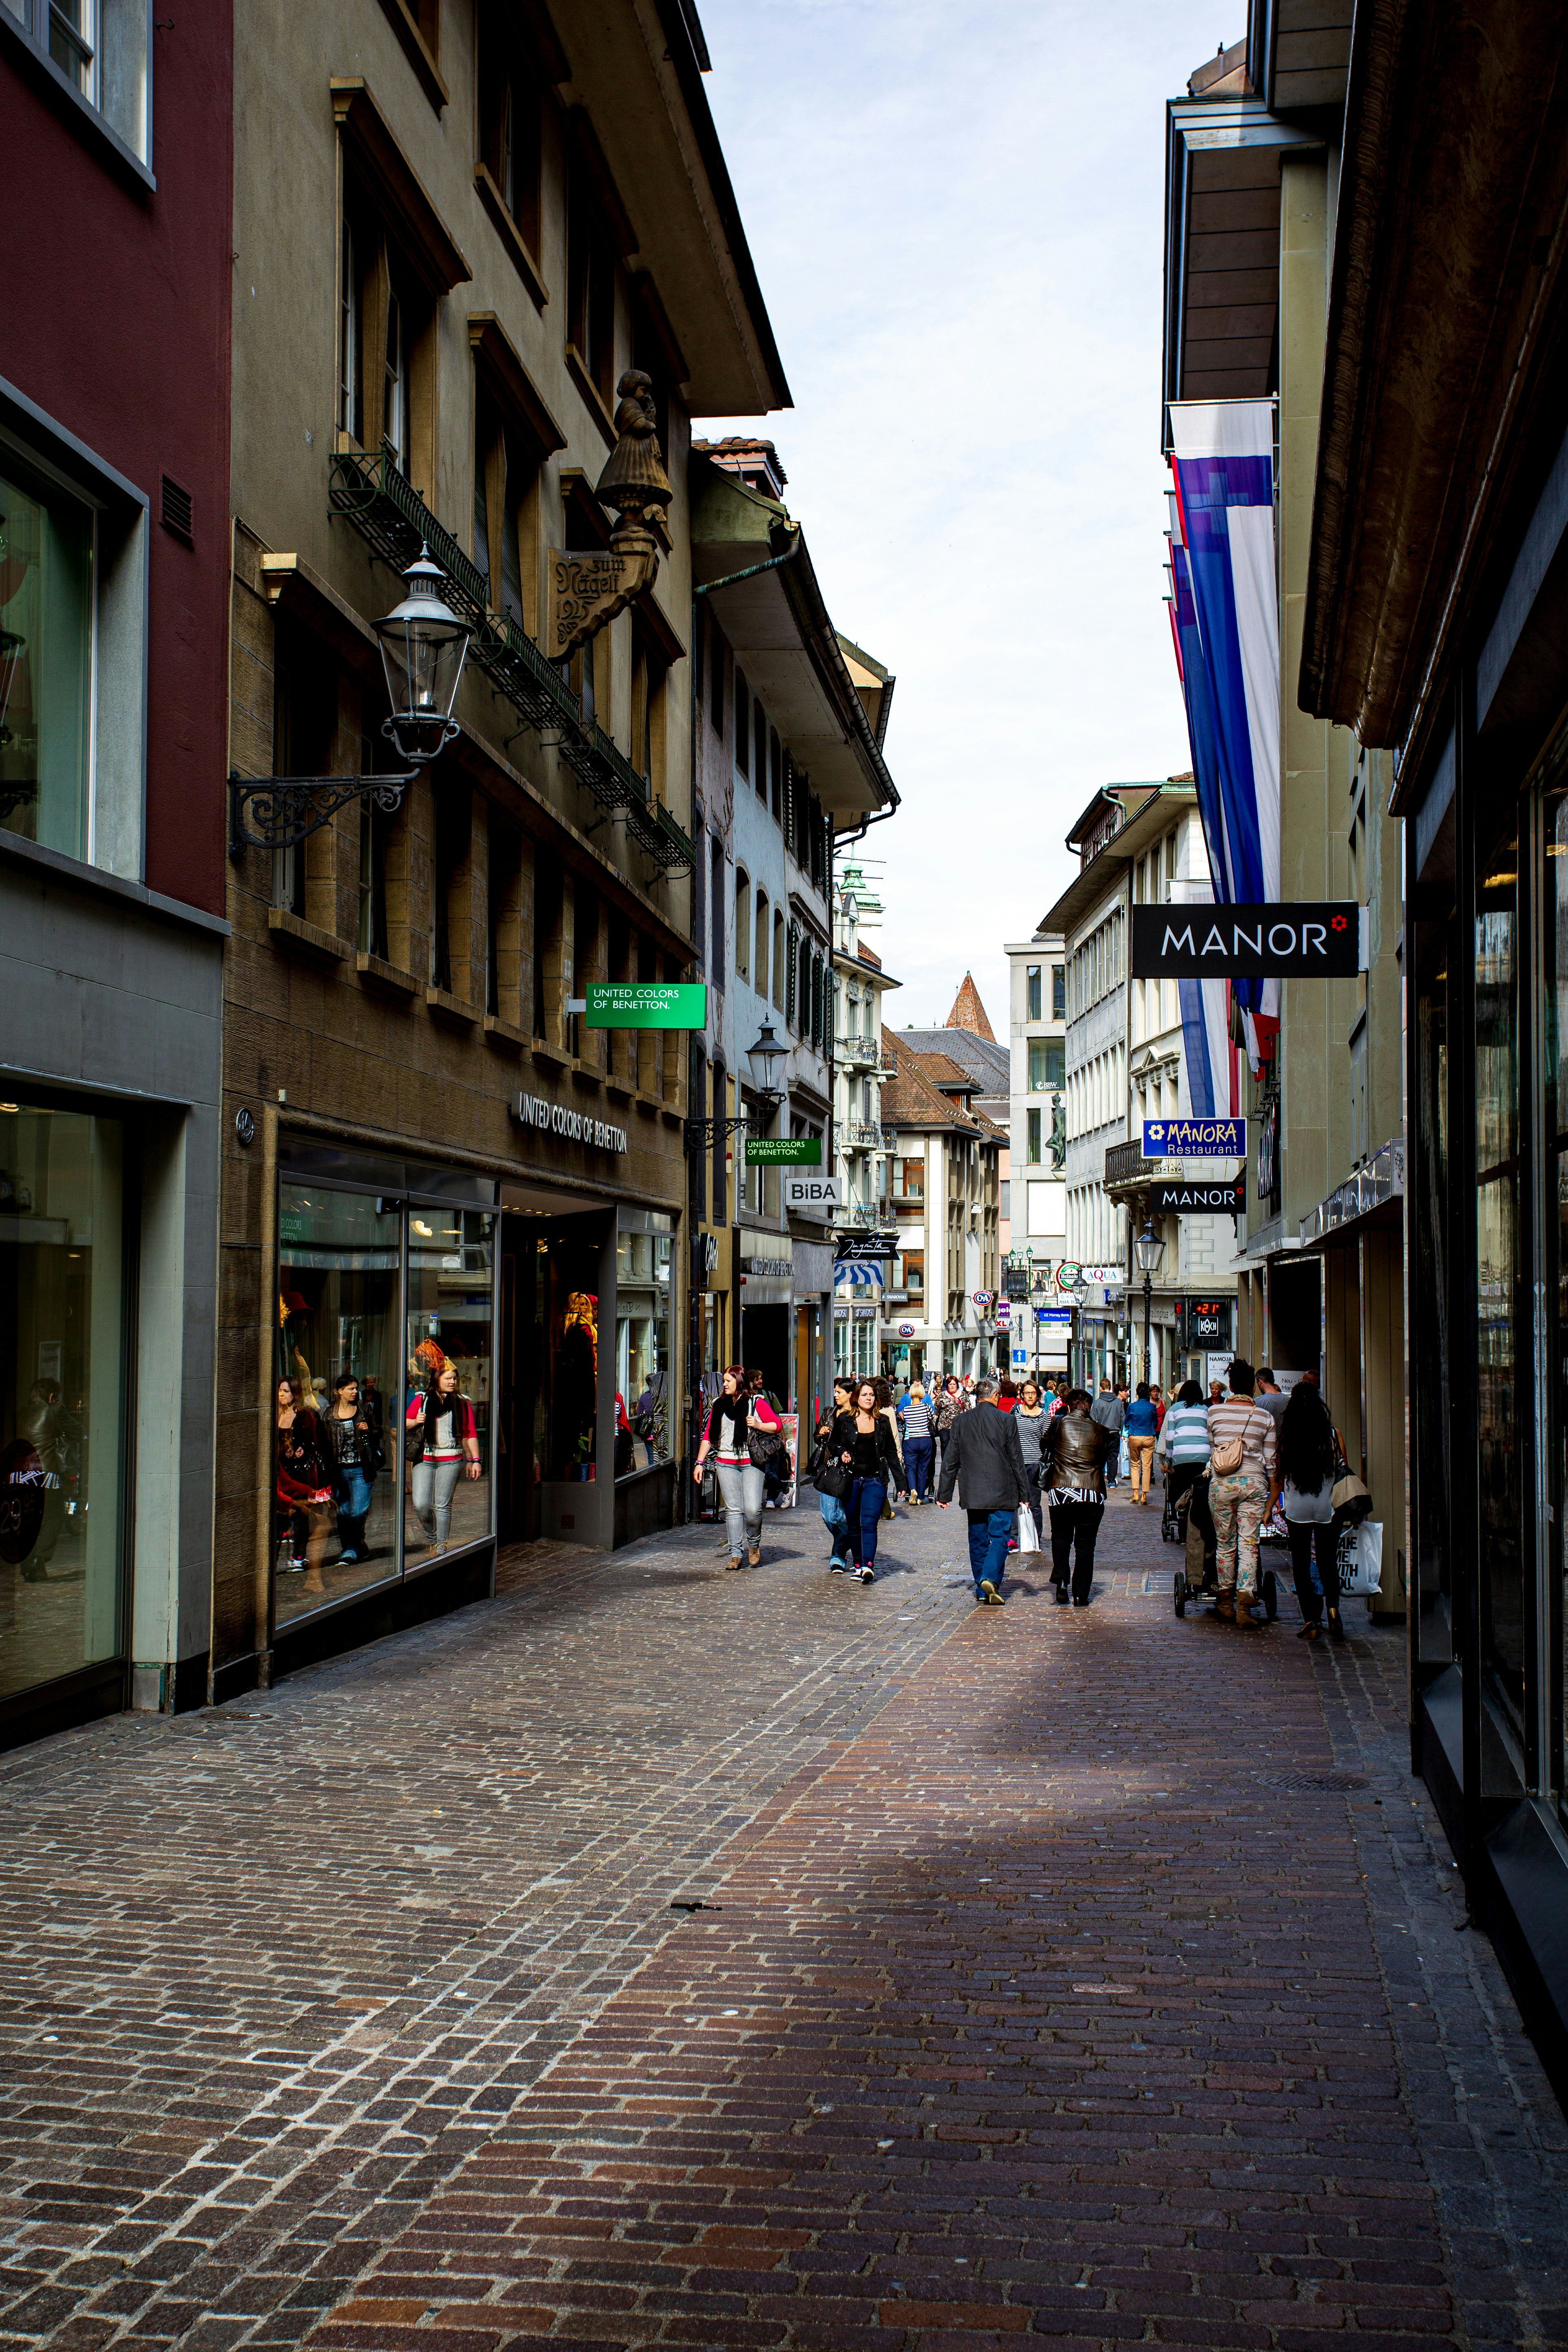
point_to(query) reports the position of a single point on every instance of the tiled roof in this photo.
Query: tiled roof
(984, 1061)
(913, 1099)
(968, 1012)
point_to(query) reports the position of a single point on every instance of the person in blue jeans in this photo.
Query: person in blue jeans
(834, 1517)
(919, 1442)
(865, 1444)
(983, 1458)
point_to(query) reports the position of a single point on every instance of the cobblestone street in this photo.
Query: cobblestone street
(1076, 1974)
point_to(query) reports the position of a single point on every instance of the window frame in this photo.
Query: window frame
(33, 53)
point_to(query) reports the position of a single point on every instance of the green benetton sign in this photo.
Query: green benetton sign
(646, 1004)
(795, 1151)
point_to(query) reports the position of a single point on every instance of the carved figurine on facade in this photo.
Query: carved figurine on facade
(587, 590)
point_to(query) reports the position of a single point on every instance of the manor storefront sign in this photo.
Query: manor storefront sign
(1297, 941)
(575, 1126)
(1187, 1199)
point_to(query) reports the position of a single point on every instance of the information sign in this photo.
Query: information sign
(647, 1004)
(1195, 1139)
(785, 1150)
(1295, 941)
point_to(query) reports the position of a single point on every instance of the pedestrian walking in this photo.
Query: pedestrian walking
(1032, 1422)
(1184, 1449)
(832, 1480)
(983, 1450)
(948, 1404)
(1269, 1395)
(1109, 1412)
(920, 1444)
(1073, 1458)
(1309, 1459)
(741, 1413)
(1243, 1453)
(1141, 1427)
(864, 1441)
(303, 1484)
(886, 1407)
(1157, 1399)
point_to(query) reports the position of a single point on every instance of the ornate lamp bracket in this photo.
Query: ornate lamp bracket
(701, 1134)
(277, 811)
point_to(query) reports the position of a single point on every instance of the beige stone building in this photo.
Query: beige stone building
(1253, 157)
(457, 226)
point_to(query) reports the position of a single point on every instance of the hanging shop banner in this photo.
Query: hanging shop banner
(1228, 645)
(1003, 1313)
(784, 1150)
(1300, 941)
(857, 1249)
(813, 1196)
(1195, 1139)
(647, 1004)
(1228, 1198)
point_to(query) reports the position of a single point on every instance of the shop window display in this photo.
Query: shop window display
(642, 1348)
(447, 1384)
(1554, 1138)
(1502, 1383)
(46, 663)
(336, 1441)
(62, 1304)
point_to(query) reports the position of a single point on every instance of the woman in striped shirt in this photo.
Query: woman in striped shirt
(1184, 1450)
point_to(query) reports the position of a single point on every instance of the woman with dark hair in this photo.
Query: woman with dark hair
(1184, 1447)
(866, 1446)
(1032, 1422)
(1072, 1467)
(348, 1446)
(740, 1411)
(441, 1424)
(302, 1484)
(1308, 1465)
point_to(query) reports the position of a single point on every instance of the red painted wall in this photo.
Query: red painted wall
(114, 320)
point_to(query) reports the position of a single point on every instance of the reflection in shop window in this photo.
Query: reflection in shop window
(62, 1334)
(643, 1435)
(46, 663)
(447, 1395)
(334, 1402)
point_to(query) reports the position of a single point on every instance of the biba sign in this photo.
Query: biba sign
(574, 1126)
(1278, 942)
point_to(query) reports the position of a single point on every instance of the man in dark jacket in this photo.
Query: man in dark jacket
(983, 1449)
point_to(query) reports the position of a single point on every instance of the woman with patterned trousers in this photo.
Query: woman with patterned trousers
(1244, 1453)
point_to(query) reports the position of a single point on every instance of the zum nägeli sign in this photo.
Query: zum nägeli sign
(1300, 941)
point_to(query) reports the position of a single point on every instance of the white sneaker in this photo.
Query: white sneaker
(868, 1576)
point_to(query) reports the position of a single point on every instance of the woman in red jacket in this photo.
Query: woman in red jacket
(442, 1429)
(304, 1484)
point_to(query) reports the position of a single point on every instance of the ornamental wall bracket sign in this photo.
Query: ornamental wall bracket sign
(588, 589)
(278, 812)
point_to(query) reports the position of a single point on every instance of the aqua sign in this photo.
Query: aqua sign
(647, 1004)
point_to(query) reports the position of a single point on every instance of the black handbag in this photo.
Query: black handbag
(829, 1475)
(764, 1445)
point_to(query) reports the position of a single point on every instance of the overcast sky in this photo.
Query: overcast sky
(956, 211)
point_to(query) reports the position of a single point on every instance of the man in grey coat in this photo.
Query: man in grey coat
(983, 1449)
(1111, 1412)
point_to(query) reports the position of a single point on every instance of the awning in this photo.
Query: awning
(862, 1279)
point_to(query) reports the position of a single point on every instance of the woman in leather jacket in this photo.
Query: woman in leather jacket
(1072, 1476)
(864, 1444)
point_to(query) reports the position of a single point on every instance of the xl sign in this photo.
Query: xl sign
(813, 1196)
(1278, 942)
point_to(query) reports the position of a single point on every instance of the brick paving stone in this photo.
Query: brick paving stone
(1035, 2005)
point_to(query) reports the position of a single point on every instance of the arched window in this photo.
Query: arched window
(742, 922)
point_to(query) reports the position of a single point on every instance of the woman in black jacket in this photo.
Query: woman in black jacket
(865, 1444)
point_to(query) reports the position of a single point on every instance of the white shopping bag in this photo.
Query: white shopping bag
(1028, 1540)
(1365, 1566)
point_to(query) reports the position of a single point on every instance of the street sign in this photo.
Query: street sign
(1189, 1200)
(1020, 1355)
(813, 1196)
(784, 1150)
(647, 1004)
(1057, 1315)
(1316, 941)
(1195, 1139)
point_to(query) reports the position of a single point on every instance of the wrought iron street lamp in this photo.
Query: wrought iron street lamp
(1150, 1250)
(766, 1056)
(423, 644)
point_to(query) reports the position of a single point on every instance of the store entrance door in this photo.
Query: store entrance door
(548, 1347)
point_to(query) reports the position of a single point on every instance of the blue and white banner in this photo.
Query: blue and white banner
(1223, 460)
(1195, 1139)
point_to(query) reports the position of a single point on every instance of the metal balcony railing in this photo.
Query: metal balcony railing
(856, 1053)
(1124, 1162)
(367, 487)
(861, 1136)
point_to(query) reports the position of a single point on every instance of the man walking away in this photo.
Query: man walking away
(919, 1443)
(1106, 1409)
(1244, 1452)
(1142, 1426)
(983, 1450)
(1269, 1396)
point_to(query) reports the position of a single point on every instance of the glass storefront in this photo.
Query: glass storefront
(62, 1392)
(644, 1372)
(383, 1404)
(45, 661)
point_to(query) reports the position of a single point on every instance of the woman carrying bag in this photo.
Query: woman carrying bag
(1032, 1422)
(864, 1444)
(743, 1431)
(1310, 1463)
(832, 1480)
